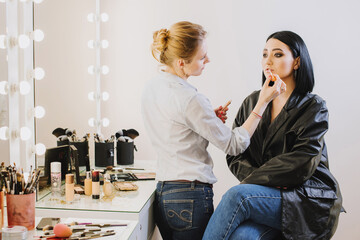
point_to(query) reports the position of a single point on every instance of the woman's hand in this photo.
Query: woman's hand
(220, 112)
(268, 93)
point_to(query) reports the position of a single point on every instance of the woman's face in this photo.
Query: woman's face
(278, 59)
(197, 64)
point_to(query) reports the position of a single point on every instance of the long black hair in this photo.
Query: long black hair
(304, 75)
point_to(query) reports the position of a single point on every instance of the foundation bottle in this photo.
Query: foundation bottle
(95, 185)
(107, 187)
(88, 184)
(69, 187)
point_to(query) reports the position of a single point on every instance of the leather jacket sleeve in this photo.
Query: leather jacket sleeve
(301, 138)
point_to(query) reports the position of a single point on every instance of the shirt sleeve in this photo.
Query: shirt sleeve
(201, 118)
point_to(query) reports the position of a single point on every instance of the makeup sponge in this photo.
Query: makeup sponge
(62, 230)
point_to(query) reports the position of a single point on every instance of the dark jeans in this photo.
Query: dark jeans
(183, 209)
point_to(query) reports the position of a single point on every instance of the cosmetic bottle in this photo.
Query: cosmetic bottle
(95, 185)
(69, 187)
(107, 187)
(88, 184)
(55, 178)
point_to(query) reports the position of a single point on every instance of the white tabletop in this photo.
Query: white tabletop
(123, 232)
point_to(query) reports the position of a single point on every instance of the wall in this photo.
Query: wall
(236, 35)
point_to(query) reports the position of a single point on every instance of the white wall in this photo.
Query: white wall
(237, 30)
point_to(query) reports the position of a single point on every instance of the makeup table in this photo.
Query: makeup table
(121, 205)
(123, 232)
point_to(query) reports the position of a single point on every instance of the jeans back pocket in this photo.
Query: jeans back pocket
(179, 213)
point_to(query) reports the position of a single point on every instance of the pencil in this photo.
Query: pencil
(227, 104)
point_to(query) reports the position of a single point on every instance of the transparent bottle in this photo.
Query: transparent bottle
(55, 178)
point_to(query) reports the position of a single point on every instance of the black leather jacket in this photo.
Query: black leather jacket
(290, 153)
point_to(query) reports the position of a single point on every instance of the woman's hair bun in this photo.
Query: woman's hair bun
(161, 38)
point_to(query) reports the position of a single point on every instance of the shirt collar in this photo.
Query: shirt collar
(177, 79)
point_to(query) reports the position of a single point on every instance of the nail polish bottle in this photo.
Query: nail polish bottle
(88, 184)
(95, 185)
(55, 178)
(69, 187)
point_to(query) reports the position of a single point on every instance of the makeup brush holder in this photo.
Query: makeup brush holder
(82, 149)
(21, 210)
(125, 153)
(104, 154)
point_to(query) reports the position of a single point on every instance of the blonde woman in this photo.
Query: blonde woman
(180, 123)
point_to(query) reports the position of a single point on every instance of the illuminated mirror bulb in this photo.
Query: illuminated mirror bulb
(91, 69)
(25, 133)
(91, 17)
(39, 112)
(91, 96)
(24, 88)
(105, 96)
(4, 87)
(105, 122)
(4, 133)
(91, 44)
(3, 41)
(105, 69)
(40, 149)
(38, 35)
(104, 43)
(104, 17)
(91, 122)
(24, 41)
(39, 73)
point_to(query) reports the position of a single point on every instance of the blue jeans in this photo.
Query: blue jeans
(248, 212)
(183, 209)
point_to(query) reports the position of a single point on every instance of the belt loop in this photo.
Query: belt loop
(161, 186)
(193, 185)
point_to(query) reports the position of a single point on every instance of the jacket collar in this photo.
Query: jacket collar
(280, 119)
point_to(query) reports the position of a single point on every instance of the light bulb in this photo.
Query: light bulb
(91, 44)
(4, 133)
(91, 69)
(23, 41)
(104, 43)
(105, 122)
(104, 17)
(4, 87)
(105, 69)
(25, 133)
(105, 96)
(91, 96)
(24, 87)
(40, 149)
(38, 35)
(91, 122)
(91, 17)
(3, 41)
(39, 73)
(39, 112)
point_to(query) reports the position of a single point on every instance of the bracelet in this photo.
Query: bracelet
(256, 115)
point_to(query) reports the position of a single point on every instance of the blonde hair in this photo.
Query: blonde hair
(180, 41)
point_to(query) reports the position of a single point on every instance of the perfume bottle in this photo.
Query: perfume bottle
(55, 178)
(88, 184)
(69, 187)
(95, 185)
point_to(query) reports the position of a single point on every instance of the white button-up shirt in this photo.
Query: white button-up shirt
(180, 123)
